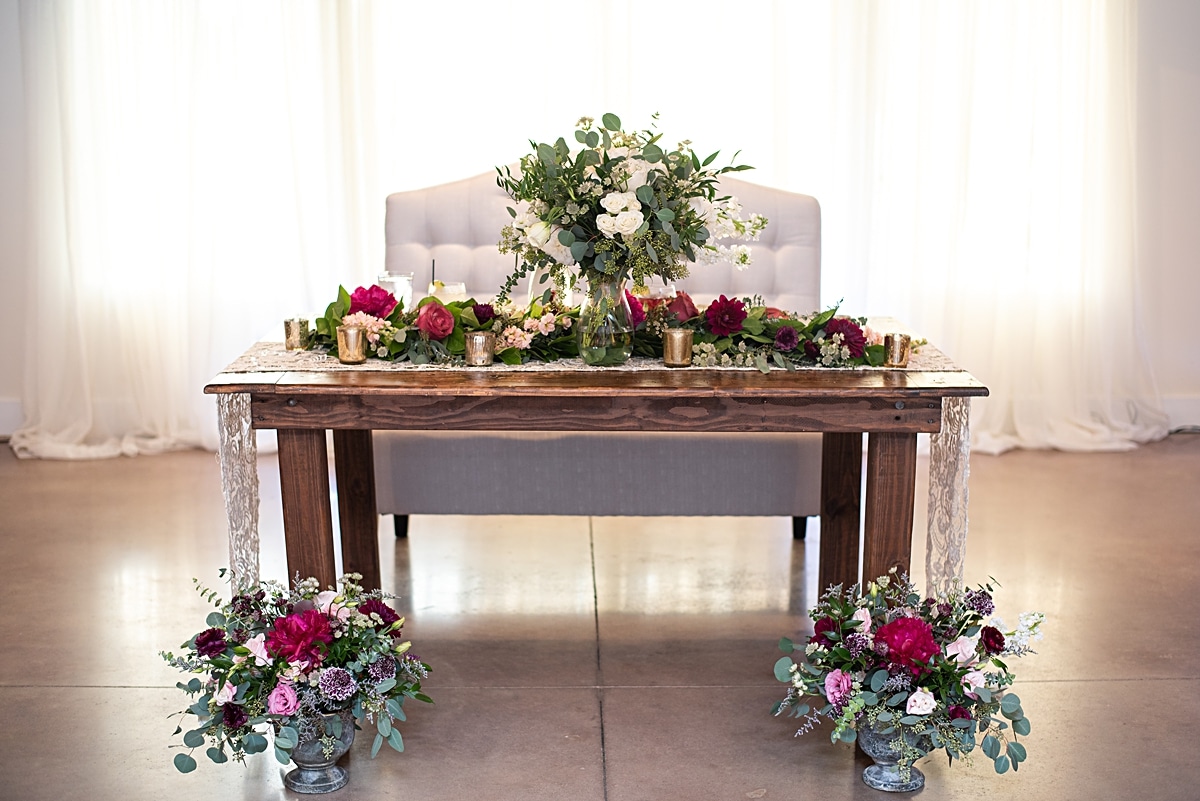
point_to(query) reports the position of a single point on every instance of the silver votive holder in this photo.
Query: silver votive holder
(481, 348)
(896, 350)
(352, 344)
(677, 347)
(295, 333)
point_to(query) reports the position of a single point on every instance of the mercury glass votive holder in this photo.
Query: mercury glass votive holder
(295, 333)
(481, 348)
(677, 347)
(896, 350)
(352, 344)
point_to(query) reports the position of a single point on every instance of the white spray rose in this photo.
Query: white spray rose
(616, 202)
(607, 224)
(628, 222)
(538, 234)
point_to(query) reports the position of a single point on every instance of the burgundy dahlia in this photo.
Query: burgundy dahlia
(210, 643)
(386, 613)
(786, 339)
(484, 312)
(852, 336)
(725, 316)
(637, 314)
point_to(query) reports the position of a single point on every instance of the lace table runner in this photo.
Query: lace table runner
(949, 454)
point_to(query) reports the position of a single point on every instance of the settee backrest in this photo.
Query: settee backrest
(458, 225)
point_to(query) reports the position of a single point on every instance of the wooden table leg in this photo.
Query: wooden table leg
(841, 500)
(891, 485)
(307, 515)
(354, 466)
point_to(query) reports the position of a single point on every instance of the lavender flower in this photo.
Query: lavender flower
(337, 684)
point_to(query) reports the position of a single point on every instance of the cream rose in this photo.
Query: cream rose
(629, 221)
(920, 702)
(615, 202)
(538, 234)
(607, 224)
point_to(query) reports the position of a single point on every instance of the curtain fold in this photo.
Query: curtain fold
(201, 170)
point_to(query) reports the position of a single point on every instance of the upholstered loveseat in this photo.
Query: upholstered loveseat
(458, 225)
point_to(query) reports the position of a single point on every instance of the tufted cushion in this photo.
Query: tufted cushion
(458, 225)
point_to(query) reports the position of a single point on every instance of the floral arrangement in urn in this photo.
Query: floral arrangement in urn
(291, 660)
(620, 207)
(911, 674)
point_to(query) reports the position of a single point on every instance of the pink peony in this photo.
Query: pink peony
(909, 642)
(283, 700)
(300, 637)
(435, 320)
(376, 301)
(725, 316)
(838, 684)
(852, 335)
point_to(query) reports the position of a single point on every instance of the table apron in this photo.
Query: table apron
(898, 414)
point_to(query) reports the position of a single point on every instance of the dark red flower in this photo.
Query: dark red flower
(786, 338)
(234, 717)
(823, 625)
(682, 307)
(956, 712)
(811, 349)
(376, 301)
(725, 316)
(992, 639)
(210, 643)
(385, 612)
(299, 637)
(637, 315)
(909, 642)
(484, 312)
(852, 336)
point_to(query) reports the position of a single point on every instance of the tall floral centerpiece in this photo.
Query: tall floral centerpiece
(305, 664)
(619, 208)
(906, 675)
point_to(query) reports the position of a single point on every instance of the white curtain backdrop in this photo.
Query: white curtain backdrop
(203, 169)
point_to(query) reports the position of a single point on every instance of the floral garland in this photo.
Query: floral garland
(729, 332)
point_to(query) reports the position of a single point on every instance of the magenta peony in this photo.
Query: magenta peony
(435, 320)
(300, 637)
(852, 336)
(637, 315)
(725, 316)
(909, 642)
(376, 301)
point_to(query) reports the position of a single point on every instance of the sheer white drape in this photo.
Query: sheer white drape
(203, 169)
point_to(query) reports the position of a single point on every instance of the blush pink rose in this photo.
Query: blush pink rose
(972, 681)
(838, 685)
(435, 320)
(962, 650)
(283, 700)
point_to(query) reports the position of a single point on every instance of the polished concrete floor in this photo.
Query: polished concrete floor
(601, 658)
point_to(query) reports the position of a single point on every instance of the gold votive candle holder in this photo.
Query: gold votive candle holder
(481, 348)
(352, 344)
(295, 333)
(677, 347)
(896, 350)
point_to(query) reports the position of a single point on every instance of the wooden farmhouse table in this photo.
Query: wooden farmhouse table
(302, 402)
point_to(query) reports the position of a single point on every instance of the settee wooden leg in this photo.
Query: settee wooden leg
(400, 522)
(799, 527)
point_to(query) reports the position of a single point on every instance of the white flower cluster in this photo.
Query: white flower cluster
(533, 231)
(833, 351)
(1029, 629)
(723, 219)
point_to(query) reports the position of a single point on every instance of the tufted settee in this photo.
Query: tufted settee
(598, 473)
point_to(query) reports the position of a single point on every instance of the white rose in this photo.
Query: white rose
(615, 202)
(639, 173)
(557, 250)
(538, 234)
(607, 224)
(628, 222)
(921, 702)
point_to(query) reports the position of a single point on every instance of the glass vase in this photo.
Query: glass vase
(604, 331)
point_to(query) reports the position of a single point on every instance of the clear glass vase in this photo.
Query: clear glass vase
(604, 331)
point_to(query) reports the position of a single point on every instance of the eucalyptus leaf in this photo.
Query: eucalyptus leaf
(910, 720)
(786, 645)
(281, 756)
(215, 619)
(990, 746)
(783, 669)
(1021, 726)
(217, 755)
(376, 745)
(897, 699)
(254, 743)
(287, 737)
(396, 741)
(194, 738)
(652, 153)
(1002, 764)
(593, 139)
(878, 679)
(184, 763)
(1010, 703)
(384, 725)
(565, 238)
(611, 122)
(385, 686)
(1016, 752)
